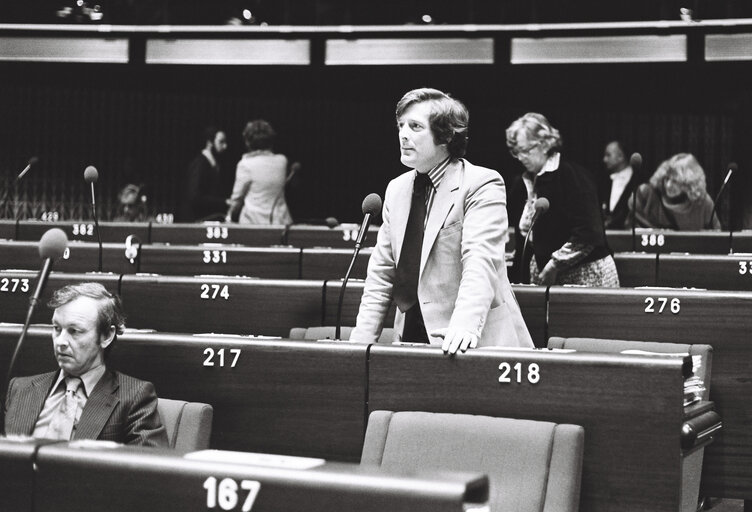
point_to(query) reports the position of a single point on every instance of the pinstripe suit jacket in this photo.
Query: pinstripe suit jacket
(120, 408)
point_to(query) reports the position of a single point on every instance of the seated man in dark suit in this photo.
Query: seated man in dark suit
(84, 399)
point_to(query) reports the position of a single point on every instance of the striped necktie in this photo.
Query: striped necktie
(61, 426)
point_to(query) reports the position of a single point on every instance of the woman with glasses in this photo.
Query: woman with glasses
(675, 197)
(568, 242)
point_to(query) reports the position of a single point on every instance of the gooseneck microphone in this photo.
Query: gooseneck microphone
(32, 162)
(635, 161)
(732, 168)
(371, 207)
(541, 206)
(91, 176)
(52, 246)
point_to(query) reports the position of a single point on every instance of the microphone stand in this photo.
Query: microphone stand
(41, 282)
(358, 244)
(338, 327)
(634, 219)
(96, 224)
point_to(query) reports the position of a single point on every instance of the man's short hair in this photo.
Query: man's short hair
(449, 118)
(109, 307)
(259, 134)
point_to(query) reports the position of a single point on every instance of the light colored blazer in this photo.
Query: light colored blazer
(120, 408)
(463, 280)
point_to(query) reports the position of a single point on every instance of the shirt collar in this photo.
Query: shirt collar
(208, 154)
(437, 173)
(551, 164)
(90, 378)
(623, 175)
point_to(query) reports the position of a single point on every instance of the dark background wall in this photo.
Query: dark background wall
(142, 124)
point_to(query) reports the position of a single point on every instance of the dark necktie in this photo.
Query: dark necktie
(408, 267)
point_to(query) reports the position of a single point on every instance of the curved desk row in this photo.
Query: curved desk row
(48, 476)
(271, 307)
(718, 272)
(313, 399)
(343, 235)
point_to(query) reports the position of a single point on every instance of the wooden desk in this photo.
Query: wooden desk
(140, 479)
(636, 268)
(333, 263)
(630, 407)
(742, 241)
(350, 304)
(532, 300)
(721, 319)
(79, 257)
(17, 474)
(217, 232)
(340, 237)
(84, 230)
(231, 305)
(271, 396)
(712, 272)
(7, 229)
(666, 240)
(219, 259)
(17, 288)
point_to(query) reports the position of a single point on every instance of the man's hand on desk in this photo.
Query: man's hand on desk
(455, 339)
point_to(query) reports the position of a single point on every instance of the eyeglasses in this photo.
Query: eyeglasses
(518, 152)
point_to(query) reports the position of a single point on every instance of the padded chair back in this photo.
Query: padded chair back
(188, 424)
(609, 345)
(326, 332)
(533, 466)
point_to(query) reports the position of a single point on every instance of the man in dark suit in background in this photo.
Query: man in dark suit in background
(204, 196)
(616, 186)
(84, 399)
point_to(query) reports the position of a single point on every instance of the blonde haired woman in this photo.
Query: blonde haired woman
(675, 197)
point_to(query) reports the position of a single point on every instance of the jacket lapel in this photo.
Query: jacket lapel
(31, 408)
(98, 408)
(443, 202)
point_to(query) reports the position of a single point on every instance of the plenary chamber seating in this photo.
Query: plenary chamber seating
(692, 464)
(717, 318)
(705, 352)
(188, 424)
(312, 399)
(531, 465)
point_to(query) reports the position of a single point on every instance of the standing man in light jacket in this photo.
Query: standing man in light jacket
(440, 250)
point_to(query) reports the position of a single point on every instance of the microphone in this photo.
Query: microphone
(541, 206)
(635, 161)
(331, 222)
(294, 168)
(91, 176)
(52, 246)
(371, 206)
(18, 210)
(32, 162)
(732, 168)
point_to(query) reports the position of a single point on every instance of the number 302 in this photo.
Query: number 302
(533, 373)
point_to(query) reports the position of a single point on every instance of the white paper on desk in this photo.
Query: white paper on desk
(93, 443)
(637, 352)
(255, 459)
